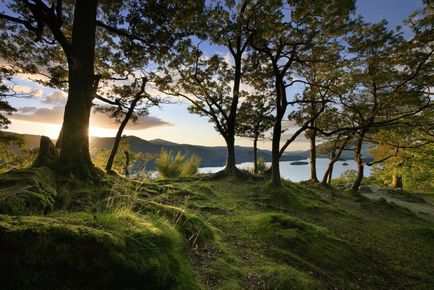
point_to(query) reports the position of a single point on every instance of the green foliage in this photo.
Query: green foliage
(254, 117)
(190, 166)
(346, 178)
(170, 167)
(261, 165)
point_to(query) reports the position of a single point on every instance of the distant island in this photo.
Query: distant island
(299, 163)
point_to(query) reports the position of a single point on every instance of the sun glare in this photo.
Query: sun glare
(100, 132)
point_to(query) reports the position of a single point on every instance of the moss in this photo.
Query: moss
(281, 277)
(116, 251)
(193, 228)
(29, 191)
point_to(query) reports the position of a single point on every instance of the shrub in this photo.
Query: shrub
(169, 166)
(261, 165)
(347, 177)
(191, 166)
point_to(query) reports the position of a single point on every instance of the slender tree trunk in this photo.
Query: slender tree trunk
(359, 162)
(329, 170)
(336, 154)
(127, 163)
(118, 137)
(312, 139)
(255, 155)
(281, 105)
(330, 177)
(74, 147)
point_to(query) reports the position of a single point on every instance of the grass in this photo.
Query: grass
(118, 250)
(226, 234)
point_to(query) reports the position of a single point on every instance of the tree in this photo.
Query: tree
(405, 153)
(383, 73)
(211, 84)
(287, 40)
(66, 33)
(129, 96)
(315, 111)
(48, 24)
(335, 148)
(254, 120)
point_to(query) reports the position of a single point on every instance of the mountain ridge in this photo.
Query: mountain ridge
(211, 156)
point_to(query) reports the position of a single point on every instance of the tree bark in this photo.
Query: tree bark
(329, 171)
(255, 155)
(127, 163)
(359, 162)
(312, 139)
(396, 181)
(281, 104)
(74, 148)
(230, 167)
(118, 137)
(327, 179)
(231, 123)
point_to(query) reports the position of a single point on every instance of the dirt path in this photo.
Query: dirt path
(425, 210)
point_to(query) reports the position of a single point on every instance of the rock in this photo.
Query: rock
(47, 153)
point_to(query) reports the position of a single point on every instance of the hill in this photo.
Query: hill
(211, 156)
(195, 234)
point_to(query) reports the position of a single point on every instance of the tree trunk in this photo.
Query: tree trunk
(312, 139)
(281, 105)
(230, 167)
(359, 161)
(255, 155)
(329, 171)
(127, 163)
(118, 137)
(231, 123)
(330, 177)
(74, 148)
(396, 181)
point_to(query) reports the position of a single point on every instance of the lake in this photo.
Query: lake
(299, 172)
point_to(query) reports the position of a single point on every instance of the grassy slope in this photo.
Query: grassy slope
(235, 235)
(304, 238)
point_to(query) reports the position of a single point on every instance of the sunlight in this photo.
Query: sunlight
(100, 132)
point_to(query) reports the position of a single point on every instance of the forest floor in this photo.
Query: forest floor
(202, 234)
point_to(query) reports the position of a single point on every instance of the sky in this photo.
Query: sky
(42, 114)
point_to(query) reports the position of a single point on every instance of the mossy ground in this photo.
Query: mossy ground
(225, 234)
(304, 237)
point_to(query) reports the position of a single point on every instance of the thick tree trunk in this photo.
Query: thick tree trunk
(396, 181)
(255, 155)
(118, 137)
(312, 139)
(359, 162)
(230, 167)
(74, 147)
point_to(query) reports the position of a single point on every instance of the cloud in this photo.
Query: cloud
(22, 89)
(26, 110)
(55, 98)
(55, 116)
